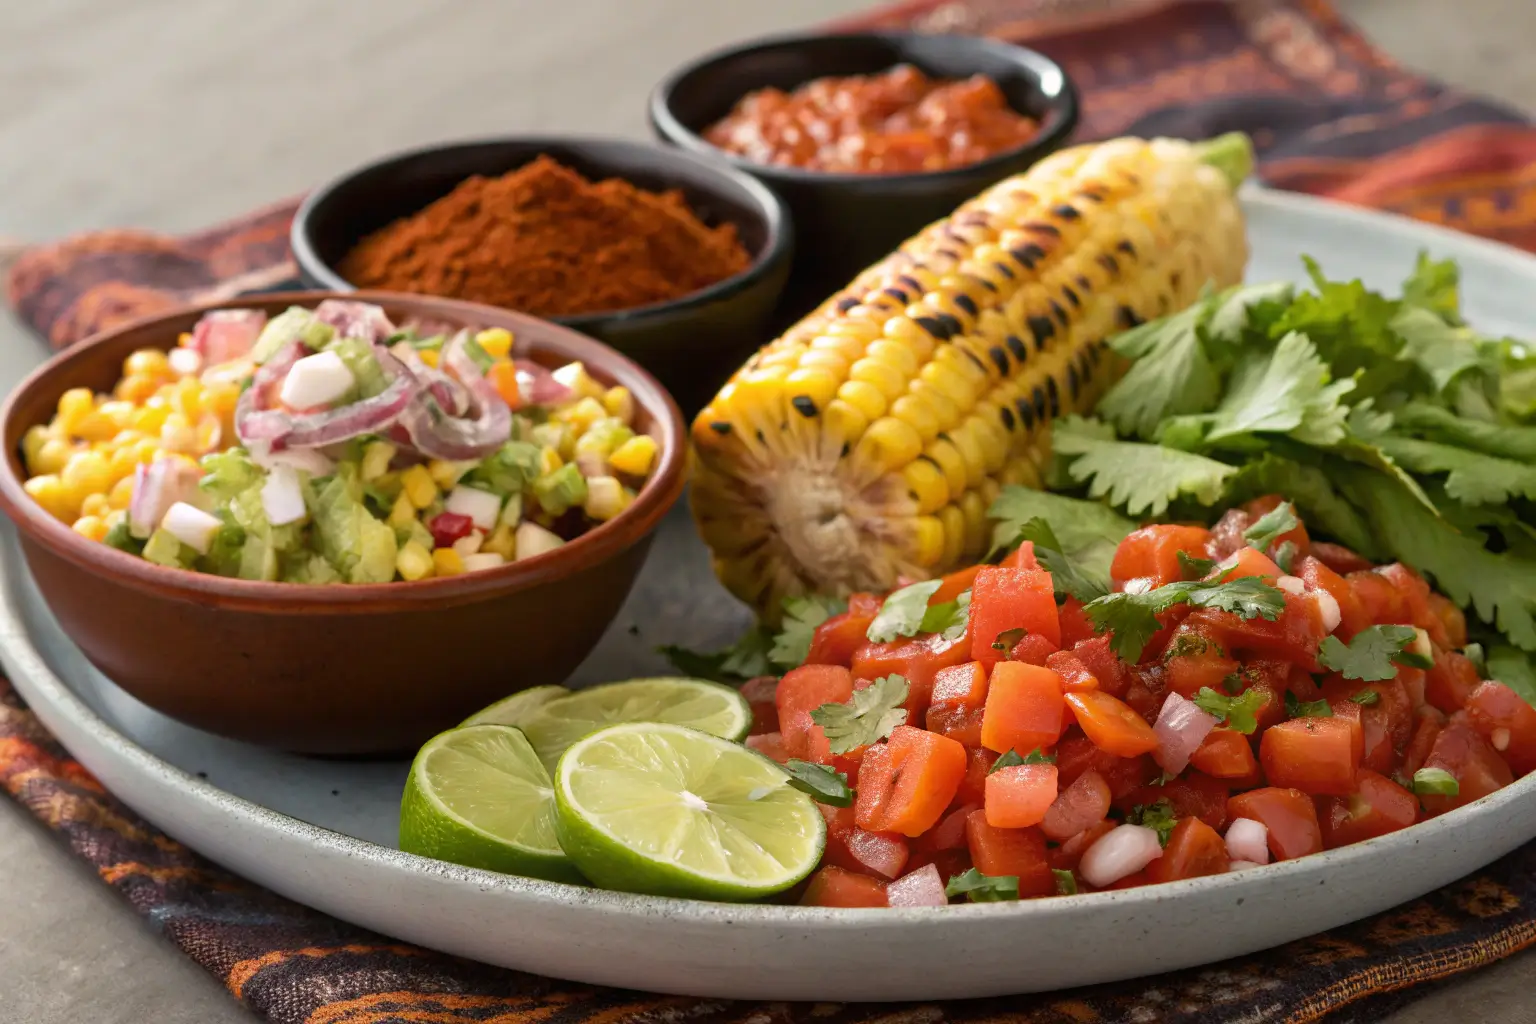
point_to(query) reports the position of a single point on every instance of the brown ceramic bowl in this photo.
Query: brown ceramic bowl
(372, 669)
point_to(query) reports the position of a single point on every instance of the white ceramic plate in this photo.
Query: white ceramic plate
(322, 832)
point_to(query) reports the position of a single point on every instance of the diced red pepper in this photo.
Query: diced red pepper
(1111, 725)
(1247, 561)
(448, 527)
(918, 661)
(802, 691)
(1226, 754)
(906, 783)
(1022, 557)
(1020, 795)
(959, 695)
(1315, 755)
(1024, 708)
(836, 887)
(1194, 660)
(954, 584)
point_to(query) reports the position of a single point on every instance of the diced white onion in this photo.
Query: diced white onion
(469, 544)
(483, 560)
(1242, 865)
(1248, 840)
(1328, 608)
(192, 526)
(1500, 739)
(316, 380)
(920, 888)
(1181, 727)
(482, 507)
(1421, 645)
(532, 539)
(282, 497)
(1122, 851)
(1292, 585)
(185, 361)
(591, 464)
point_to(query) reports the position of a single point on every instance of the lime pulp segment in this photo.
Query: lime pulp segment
(514, 709)
(479, 796)
(673, 811)
(709, 707)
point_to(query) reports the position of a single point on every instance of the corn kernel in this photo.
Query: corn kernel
(187, 398)
(575, 376)
(93, 426)
(49, 492)
(74, 404)
(418, 486)
(136, 389)
(147, 450)
(413, 561)
(582, 415)
(90, 527)
(403, 512)
(87, 473)
(500, 542)
(376, 459)
(605, 498)
(31, 444)
(114, 517)
(430, 356)
(52, 456)
(497, 342)
(549, 461)
(150, 419)
(147, 362)
(634, 456)
(119, 412)
(447, 562)
(95, 505)
(619, 402)
(121, 493)
(445, 474)
(220, 399)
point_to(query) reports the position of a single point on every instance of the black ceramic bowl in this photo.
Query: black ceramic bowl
(691, 344)
(845, 222)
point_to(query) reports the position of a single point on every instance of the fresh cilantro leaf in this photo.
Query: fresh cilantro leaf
(1233, 683)
(1271, 525)
(1036, 757)
(1088, 531)
(1142, 477)
(1163, 779)
(1193, 568)
(1244, 310)
(1172, 374)
(903, 612)
(1370, 652)
(1438, 424)
(1066, 882)
(1442, 352)
(1279, 391)
(1366, 698)
(792, 644)
(1311, 490)
(1187, 645)
(1285, 556)
(1512, 667)
(1008, 759)
(746, 659)
(1133, 617)
(1008, 637)
(1350, 326)
(1066, 576)
(1435, 285)
(980, 888)
(1306, 708)
(1159, 817)
(820, 782)
(1435, 782)
(875, 711)
(1474, 478)
(949, 619)
(1238, 713)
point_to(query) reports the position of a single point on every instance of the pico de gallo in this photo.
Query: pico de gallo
(333, 446)
(1226, 697)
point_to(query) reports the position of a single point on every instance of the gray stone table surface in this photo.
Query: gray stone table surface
(170, 114)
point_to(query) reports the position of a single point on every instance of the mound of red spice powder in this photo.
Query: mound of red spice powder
(546, 241)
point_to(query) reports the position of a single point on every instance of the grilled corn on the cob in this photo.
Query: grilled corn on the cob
(867, 442)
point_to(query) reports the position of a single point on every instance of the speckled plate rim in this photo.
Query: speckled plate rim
(182, 805)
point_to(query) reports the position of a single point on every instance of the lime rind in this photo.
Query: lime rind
(696, 703)
(673, 811)
(479, 796)
(515, 709)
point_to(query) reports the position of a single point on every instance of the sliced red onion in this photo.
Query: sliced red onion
(1077, 808)
(355, 319)
(449, 394)
(369, 416)
(1248, 840)
(156, 487)
(1181, 727)
(438, 435)
(226, 334)
(920, 888)
(256, 424)
(1119, 853)
(307, 460)
(538, 385)
(881, 852)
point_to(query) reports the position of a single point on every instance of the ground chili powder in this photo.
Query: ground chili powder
(545, 240)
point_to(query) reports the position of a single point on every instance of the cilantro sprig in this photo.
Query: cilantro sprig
(1010, 759)
(1240, 713)
(903, 612)
(1133, 617)
(822, 783)
(1370, 654)
(1296, 708)
(1158, 816)
(873, 714)
(760, 651)
(1271, 526)
(980, 888)
(1068, 577)
(1435, 782)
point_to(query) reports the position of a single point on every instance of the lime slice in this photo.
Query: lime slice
(715, 709)
(672, 811)
(514, 709)
(478, 796)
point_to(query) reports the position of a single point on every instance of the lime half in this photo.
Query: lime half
(514, 709)
(715, 709)
(479, 796)
(672, 811)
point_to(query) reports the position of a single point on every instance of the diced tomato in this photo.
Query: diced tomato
(1134, 881)
(759, 694)
(961, 724)
(1066, 856)
(1377, 806)
(948, 834)
(1338, 557)
(1076, 626)
(1098, 657)
(1386, 723)
(1032, 649)
(1075, 676)
(906, 783)
(1272, 710)
(1076, 754)
(1317, 575)
(1010, 851)
(1081, 805)
(959, 695)
(1194, 660)
(1167, 622)
(1315, 755)
(1247, 561)
(1152, 553)
(802, 691)
(1379, 599)
(918, 661)
(837, 639)
(1194, 849)
(1429, 721)
(836, 887)
(1021, 557)
(1452, 631)
(770, 745)
(973, 788)
(1004, 599)
(1226, 754)
(1507, 722)
(1288, 814)
(1111, 724)
(1227, 534)
(1478, 769)
(1377, 751)
(1297, 536)
(1293, 636)
(1194, 795)
(1024, 708)
(877, 853)
(1414, 591)
(954, 584)
(1451, 680)
(1020, 795)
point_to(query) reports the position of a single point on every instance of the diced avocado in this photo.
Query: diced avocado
(294, 324)
(560, 490)
(163, 548)
(120, 537)
(359, 357)
(509, 469)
